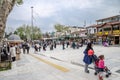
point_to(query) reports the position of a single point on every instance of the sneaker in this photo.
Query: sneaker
(87, 71)
(100, 78)
(109, 73)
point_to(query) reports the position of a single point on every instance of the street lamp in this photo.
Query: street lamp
(32, 22)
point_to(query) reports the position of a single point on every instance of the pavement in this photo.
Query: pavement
(75, 56)
(61, 65)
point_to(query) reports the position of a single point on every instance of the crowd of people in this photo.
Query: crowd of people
(89, 54)
(42, 45)
(10, 52)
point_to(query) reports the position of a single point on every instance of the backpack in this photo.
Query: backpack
(90, 52)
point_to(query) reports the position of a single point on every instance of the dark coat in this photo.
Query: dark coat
(87, 59)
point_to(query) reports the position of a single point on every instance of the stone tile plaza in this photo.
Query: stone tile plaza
(59, 40)
(61, 64)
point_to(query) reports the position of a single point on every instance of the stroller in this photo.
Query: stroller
(97, 70)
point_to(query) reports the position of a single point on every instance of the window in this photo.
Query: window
(116, 27)
(94, 30)
(89, 30)
(115, 19)
(99, 29)
(107, 29)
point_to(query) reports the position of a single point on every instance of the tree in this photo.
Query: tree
(58, 27)
(61, 28)
(6, 7)
(28, 32)
(36, 33)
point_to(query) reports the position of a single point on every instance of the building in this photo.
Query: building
(71, 32)
(73, 29)
(91, 31)
(108, 29)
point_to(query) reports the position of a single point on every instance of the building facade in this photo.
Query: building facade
(108, 29)
(91, 31)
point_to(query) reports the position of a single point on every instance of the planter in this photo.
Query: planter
(5, 65)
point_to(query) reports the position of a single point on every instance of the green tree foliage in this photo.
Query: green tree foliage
(19, 2)
(6, 6)
(60, 28)
(28, 32)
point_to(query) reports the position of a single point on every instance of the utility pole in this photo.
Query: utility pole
(84, 24)
(32, 22)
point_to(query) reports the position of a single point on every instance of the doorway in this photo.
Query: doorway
(116, 39)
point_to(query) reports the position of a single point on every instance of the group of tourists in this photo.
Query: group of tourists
(10, 52)
(42, 45)
(89, 54)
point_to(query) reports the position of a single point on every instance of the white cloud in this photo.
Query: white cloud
(44, 10)
(51, 12)
(20, 13)
(79, 3)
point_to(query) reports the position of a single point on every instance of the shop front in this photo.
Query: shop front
(99, 38)
(116, 35)
(105, 37)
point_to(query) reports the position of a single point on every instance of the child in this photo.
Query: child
(101, 66)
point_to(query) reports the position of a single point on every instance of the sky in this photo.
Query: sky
(47, 13)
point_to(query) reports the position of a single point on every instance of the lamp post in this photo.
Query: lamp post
(32, 22)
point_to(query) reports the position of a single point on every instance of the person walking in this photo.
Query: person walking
(68, 44)
(23, 47)
(35, 47)
(13, 52)
(18, 51)
(63, 45)
(73, 45)
(28, 48)
(88, 56)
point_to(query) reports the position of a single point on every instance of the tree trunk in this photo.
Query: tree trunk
(5, 8)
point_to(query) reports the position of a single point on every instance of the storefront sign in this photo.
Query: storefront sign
(99, 33)
(116, 32)
(106, 33)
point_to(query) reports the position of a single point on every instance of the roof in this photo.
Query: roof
(76, 32)
(14, 37)
(113, 23)
(99, 25)
(75, 27)
(107, 18)
(91, 26)
(81, 31)
(109, 23)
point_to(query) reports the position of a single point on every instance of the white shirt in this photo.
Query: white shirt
(13, 51)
